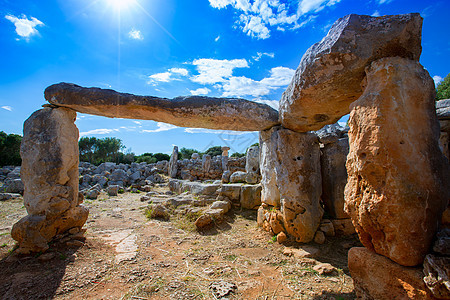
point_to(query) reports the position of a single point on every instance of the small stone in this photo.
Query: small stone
(326, 226)
(112, 190)
(75, 243)
(74, 230)
(319, 237)
(225, 205)
(46, 256)
(281, 237)
(203, 221)
(208, 271)
(222, 288)
(305, 251)
(324, 268)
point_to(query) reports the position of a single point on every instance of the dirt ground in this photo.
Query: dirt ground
(125, 255)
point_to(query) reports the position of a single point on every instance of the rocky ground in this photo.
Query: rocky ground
(125, 255)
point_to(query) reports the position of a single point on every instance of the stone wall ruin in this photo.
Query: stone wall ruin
(398, 179)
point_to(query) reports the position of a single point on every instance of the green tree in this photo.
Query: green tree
(237, 154)
(10, 149)
(97, 151)
(161, 156)
(186, 153)
(443, 89)
(214, 151)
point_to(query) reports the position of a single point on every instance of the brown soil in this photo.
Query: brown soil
(126, 256)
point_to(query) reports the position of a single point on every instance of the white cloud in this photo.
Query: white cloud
(200, 91)
(135, 34)
(217, 38)
(259, 55)
(161, 77)
(257, 17)
(9, 108)
(437, 79)
(203, 130)
(376, 13)
(25, 27)
(384, 1)
(99, 131)
(180, 71)
(137, 122)
(241, 86)
(161, 127)
(171, 74)
(216, 70)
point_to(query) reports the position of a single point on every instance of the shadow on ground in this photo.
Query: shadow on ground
(34, 276)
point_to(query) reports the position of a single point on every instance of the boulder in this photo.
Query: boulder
(443, 109)
(231, 191)
(251, 178)
(189, 111)
(113, 190)
(195, 156)
(295, 157)
(226, 176)
(376, 277)
(238, 177)
(13, 186)
(398, 179)
(330, 133)
(252, 160)
(225, 205)
(437, 275)
(250, 197)
(334, 177)
(329, 76)
(173, 163)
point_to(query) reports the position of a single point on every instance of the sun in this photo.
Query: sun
(121, 4)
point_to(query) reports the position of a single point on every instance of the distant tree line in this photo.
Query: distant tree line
(10, 149)
(99, 150)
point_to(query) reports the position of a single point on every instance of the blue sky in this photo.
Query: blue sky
(168, 48)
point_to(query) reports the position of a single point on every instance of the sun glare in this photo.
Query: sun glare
(121, 4)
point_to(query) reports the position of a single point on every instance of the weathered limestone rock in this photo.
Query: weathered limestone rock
(334, 177)
(295, 158)
(206, 163)
(190, 111)
(398, 180)
(173, 163)
(49, 172)
(270, 194)
(330, 72)
(238, 177)
(195, 156)
(252, 160)
(225, 150)
(376, 277)
(250, 197)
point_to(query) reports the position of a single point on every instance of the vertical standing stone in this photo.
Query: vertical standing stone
(334, 177)
(206, 163)
(49, 172)
(398, 179)
(252, 160)
(225, 150)
(270, 195)
(173, 163)
(295, 158)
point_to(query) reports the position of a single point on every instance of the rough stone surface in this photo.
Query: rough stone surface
(190, 111)
(268, 140)
(112, 190)
(398, 180)
(173, 163)
(49, 152)
(250, 197)
(334, 177)
(437, 275)
(206, 163)
(252, 160)
(297, 181)
(443, 109)
(343, 226)
(376, 277)
(330, 73)
(238, 177)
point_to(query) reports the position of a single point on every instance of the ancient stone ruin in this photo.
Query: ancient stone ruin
(387, 177)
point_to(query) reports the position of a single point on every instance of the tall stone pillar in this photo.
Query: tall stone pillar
(225, 150)
(291, 182)
(49, 172)
(173, 163)
(398, 179)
